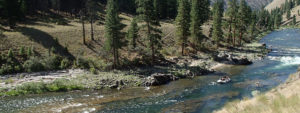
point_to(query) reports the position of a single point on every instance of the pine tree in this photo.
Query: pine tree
(148, 14)
(253, 24)
(183, 23)
(278, 19)
(243, 19)
(114, 39)
(218, 9)
(294, 20)
(288, 14)
(231, 13)
(199, 15)
(132, 33)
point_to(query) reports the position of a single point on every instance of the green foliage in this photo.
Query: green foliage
(288, 14)
(149, 15)
(22, 51)
(29, 51)
(33, 65)
(217, 33)
(132, 33)
(294, 20)
(9, 65)
(93, 70)
(113, 26)
(58, 85)
(199, 15)
(10, 53)
(81, 63)
(65, 63)
(52, 62)
(53, 50)
(9, 81)
(63, 85)
(183, 23)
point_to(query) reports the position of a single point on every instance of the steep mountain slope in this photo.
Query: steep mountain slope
(255, 4)
(274, 4)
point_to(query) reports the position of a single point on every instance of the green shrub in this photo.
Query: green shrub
(32, 88)
(82, 63)
(53, 50)
(6, 69)
(93, 70)
(52, 62)
(63, 85)
(22, 51)
(65, 63)
(10, 53)
(33, 65)
(9, 81)
(29, 51)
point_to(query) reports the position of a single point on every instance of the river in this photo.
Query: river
(188, 95)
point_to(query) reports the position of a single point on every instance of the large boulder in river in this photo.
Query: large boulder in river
(241, 61)
(159, 79)
(228, 58)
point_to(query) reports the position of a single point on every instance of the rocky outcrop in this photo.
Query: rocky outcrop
(159, 79)
(227, 58)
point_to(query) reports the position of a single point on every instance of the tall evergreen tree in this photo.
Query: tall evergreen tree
(243, 19)
(148, 14)
(231, 13)
(183, 23)
(132, 33)
(253, 24)
(288, 14)
(199, 15)
(294, 20)
(218, 10)
(114, 39)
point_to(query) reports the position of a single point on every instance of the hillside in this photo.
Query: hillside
(68, 36)
(274, 4)
(255, 4)
(294, 11)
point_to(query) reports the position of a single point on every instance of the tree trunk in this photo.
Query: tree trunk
(83, 30)
(115, 54)
(92, 29)
(230, 34)
(151, 42)
(234, 34)
(241, 35)
(182, 47)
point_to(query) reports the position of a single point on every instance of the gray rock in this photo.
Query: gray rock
(159, 79)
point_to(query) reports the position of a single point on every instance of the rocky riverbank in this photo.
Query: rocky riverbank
(176, 68)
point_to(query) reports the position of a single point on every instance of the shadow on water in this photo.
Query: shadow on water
(45, 40)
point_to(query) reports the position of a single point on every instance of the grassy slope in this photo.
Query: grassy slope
(42, 37)
(283, 99)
